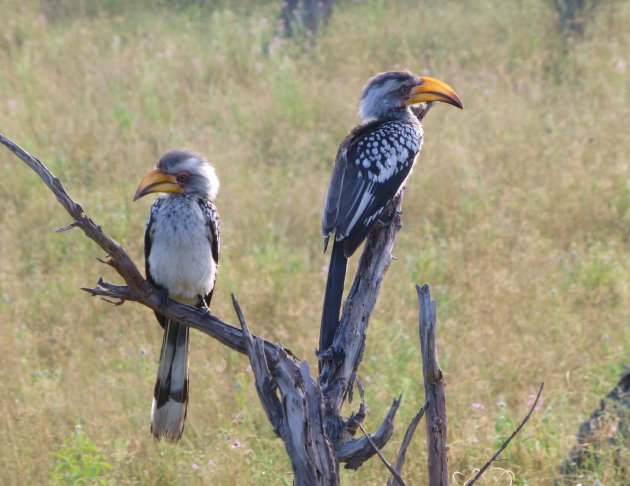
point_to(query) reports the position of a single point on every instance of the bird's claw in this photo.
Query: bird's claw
(334, 355)
(202, 306)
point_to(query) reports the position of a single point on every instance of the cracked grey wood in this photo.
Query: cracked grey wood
(303, 417)
(436, 420)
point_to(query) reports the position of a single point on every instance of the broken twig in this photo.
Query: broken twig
(508, 440)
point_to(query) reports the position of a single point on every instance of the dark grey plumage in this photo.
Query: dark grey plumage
(371, 166)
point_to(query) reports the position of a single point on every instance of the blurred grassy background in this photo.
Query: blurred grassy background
(517, 215)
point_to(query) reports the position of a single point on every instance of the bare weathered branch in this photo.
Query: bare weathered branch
(402, 453)
(338, 375)
(433, 390)
(391, 469)
(260, 367)
(113, 302)
(296, 414)
(122, 263)
(304, 413)
(137, 288)
(355, 419)
(355, 452)
(509, 439)
(67, 227)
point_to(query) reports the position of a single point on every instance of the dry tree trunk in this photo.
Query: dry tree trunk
(433, 391)
(304, 411)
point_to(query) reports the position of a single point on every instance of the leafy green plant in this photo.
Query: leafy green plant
(79, 461)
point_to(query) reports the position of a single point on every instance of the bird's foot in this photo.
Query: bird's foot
(386, 219)
(204, 308)
(379, 224)
(332, 355)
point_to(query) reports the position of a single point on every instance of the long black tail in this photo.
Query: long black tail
(170, 396)
(332, 299)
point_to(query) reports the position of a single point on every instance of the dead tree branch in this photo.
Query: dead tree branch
(509, 439)
(137, 288)
(391, 468)
(402, 453)
(355, 452)
(338, 375)
(297, 417)
(304, 413)
(433, 391)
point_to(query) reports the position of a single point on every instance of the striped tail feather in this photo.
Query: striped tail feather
(170, 395)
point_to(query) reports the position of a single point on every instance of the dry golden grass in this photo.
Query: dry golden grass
(518, 215)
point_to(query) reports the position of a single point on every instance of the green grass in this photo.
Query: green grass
(518, 216)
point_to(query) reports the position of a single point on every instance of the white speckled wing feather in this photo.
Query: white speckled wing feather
(371, 166)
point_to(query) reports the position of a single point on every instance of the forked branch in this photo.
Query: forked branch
(137, 288)
(306, 413)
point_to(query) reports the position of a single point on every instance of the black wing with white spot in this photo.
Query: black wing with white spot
(213, 225)
(372, 164)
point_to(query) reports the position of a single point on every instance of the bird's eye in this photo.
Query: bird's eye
(182, 177)
(404, 90)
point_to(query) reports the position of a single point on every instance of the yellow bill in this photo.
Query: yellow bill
(432, 89)
(156, 181)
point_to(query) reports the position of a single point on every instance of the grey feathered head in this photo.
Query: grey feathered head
(389, 94)
(180, 171)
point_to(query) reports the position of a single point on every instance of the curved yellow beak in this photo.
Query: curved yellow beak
(156, 181)
(432, 89)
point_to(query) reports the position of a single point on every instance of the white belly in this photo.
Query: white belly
(181, 253)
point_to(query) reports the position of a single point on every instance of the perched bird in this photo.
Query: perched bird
(181, 250)
(372, 164)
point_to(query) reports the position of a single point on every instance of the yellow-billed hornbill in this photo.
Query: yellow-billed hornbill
(371, 166)
(181, 250)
